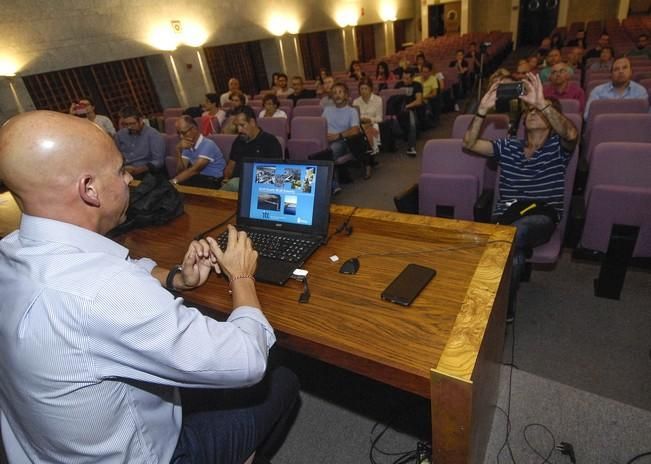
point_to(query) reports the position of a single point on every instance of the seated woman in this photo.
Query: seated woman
(383, 77)
(270, 110)
(355, 70)
(213, 116)
(370, 112)
(237, 102)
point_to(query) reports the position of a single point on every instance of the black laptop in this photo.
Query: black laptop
(284, 207)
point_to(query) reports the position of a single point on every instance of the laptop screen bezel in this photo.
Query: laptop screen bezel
(321, 215)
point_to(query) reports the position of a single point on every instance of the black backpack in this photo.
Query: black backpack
(153, 202)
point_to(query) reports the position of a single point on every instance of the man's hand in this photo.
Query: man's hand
(488, 101)
(333, 137)
(534, 96)
(239, 258)
(197, 263)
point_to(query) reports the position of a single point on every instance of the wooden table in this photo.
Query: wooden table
(446, 346)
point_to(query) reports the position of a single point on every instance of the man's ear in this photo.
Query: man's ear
(88, 190)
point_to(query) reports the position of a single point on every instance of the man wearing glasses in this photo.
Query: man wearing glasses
(143, 147)
(531, 171)
(560, 86)
(200, 162)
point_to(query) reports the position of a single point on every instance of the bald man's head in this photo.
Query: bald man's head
(64, 168)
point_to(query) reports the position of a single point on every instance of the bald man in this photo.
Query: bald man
(233, 87)
(93, 347)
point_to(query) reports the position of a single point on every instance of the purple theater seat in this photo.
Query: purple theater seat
(494, 126)
(570, 105)
(616, 106)
(172, 112)
(618, 192)
(449, 177)
(310, 128)
(301, 149)
(307, 110)
(276, 126)
(617, 212)
(224, 142)
(170, 153)
(170, 125)
(616, 127)
(308, 102)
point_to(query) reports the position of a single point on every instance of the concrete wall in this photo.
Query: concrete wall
(490, 15)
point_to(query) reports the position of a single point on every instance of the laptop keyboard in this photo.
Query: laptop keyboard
(275, 246)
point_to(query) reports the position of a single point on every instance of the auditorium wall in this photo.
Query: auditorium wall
(490, 15)
(580, 10)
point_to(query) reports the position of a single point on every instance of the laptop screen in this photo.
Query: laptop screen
(288, 195)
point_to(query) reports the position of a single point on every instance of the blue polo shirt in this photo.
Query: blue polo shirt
(607, 91)
(206, 149)
(340, 119)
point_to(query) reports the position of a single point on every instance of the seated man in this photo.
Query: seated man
(620, 86)
(603, 41)
(200, 162)
(283, 90)
(96, 345)
(343, 121)
(252, 142)
(641, 47)
(414, 107)
(326, 90)
(553, 57)
(560, 86)
(233, 87)
(143, 147)
(299, 90)
(432, 91)
(605, 62)
(532, 169)
(85, 108)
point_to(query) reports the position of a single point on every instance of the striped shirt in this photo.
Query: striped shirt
(540, 178)
(92, 350)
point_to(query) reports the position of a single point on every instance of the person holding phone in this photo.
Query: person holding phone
(531, 169)
(85, 108)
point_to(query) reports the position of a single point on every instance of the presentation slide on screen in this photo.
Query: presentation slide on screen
(283, 193)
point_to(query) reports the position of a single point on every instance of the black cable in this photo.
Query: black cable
(533, 448)
(343, 226)
(507, 443)
(374, 447)
(635, 458)
(206, 232)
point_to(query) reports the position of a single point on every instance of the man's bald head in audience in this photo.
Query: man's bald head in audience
(65, 168)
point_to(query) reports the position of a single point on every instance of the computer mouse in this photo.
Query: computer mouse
(350, 266)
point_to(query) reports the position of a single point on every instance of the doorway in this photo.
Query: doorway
(537, 20)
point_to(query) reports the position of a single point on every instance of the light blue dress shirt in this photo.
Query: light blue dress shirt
(93, 348)
(607, 91)
(139, 149)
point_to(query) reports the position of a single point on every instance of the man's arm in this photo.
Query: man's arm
(157, 148)
(228, 170)
(193, 170)
(471, 140)
(418, 101)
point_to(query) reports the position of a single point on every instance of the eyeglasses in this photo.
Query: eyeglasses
(183, 132)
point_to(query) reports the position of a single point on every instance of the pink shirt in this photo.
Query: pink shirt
(572, 92)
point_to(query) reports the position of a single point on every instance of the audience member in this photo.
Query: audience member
(521, 70)
(96, 345)
(326, 90)
(233, 87)
(271, 108)
(199, 161)
(85, 108)
(577, 41)
(641, 47)
(237, 103)
(274, 81)
(605, 62)
(461, 66)
(343, 121)
(370, 112)
(534, 62)
(604, 41)
(500, 75)
(251, 142)
(143, 147)
(355, 70)
(545, 46)
(432, 87)
(575, 58)
(323, 73)
(553, 57)
(620, 86)
(556, 41)
(383, 76)
(473, 57)
(213, 116)
(282, 89)
(299, 90)
(560, 86)
(532, 169)
(420, 61)
(414, 109)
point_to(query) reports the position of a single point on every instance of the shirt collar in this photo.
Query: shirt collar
(50, 230)
(198, 142)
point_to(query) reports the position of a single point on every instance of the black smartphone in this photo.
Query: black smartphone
(405, 288)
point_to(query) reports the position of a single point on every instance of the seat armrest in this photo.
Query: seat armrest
(484, 206)
(407, 200)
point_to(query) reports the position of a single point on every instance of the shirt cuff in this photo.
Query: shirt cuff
(144, 263)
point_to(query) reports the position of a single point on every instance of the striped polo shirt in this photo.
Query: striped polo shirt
(540, 178)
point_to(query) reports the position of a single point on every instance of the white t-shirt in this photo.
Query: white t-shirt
(105, 123)
(277, 114)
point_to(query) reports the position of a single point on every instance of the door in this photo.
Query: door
(537, 20)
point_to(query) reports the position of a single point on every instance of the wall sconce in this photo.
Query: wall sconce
(347, 16)
(388, 11)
